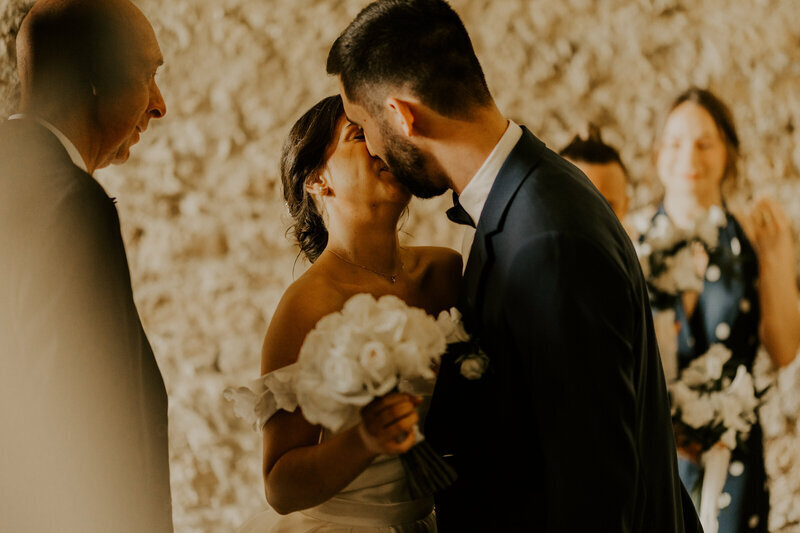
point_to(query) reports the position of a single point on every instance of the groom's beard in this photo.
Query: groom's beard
(411, 168)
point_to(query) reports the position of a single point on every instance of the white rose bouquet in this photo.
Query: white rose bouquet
(365, 351)
(716, 412)
(670, 255)
(675, 260)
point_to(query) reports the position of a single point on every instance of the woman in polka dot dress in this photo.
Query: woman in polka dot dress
(696, 155)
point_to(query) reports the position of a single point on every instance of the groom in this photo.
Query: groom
(569, 429)
(83, 408)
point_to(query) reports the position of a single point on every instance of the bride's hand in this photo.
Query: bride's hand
(387, 423)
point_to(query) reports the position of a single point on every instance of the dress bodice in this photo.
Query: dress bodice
(727, 310)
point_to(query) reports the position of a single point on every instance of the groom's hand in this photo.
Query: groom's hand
(387, 423)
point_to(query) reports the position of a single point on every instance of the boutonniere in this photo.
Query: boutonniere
(473, 362)
(473, 365)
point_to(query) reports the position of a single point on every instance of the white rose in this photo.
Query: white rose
(391, 302)
(643, 249)
(320, 408)
(682, 268)
(742, 389)
(718, 352)
(342, 375)
(788, 392)
(729, 412)
(335, 339)
(359, 308)
(697, 413)
(474, 366)
(389, 325)
(695, 375)
(682, 395)
(772, 420)
(409, 362)
(729, 439)
(423, 331)
(319, 403)
(378, 366)
(707, 367)
(662, 235)
(452, 327)
(665, 282)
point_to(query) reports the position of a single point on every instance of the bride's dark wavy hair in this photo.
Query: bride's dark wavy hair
(303, 155)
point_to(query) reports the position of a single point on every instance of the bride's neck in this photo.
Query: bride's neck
(371, 244)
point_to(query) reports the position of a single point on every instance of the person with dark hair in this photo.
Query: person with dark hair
(603, 166)
(569, 429)
(749, 293)
(345, 205)
(83, 407)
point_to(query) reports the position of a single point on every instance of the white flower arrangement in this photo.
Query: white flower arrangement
(669, 255)
(709, 407)
(716, 412)
(352, 357)
(779, 417)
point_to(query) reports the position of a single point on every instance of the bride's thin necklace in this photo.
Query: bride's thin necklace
(391, 277)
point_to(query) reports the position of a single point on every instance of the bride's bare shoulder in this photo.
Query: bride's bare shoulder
(304, 303)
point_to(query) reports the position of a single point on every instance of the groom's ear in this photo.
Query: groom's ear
(403, 114)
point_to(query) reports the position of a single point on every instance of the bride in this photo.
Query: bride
(346, 206)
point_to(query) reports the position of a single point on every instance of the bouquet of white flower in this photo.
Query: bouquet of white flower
(716, 412)
(351, 357)
(675, 260)
(669, 255)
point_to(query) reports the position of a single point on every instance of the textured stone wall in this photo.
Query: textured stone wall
(200, 202)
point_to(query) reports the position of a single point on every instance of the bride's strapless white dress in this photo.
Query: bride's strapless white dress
(377, 501)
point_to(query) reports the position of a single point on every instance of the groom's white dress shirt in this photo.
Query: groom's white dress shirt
(474, 195)
(73, 152)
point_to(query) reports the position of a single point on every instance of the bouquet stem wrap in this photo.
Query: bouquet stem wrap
(426, 471)
(716, 462)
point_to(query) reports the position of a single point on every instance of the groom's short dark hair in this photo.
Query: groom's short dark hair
(419, 43)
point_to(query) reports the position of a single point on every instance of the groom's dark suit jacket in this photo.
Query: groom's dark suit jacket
(83, 408)
(569, 430)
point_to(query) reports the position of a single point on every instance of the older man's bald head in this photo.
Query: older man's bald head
(66, 46)
(95, 57)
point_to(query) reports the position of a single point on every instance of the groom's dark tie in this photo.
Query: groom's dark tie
(458, 214)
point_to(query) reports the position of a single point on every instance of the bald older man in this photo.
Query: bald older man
(83, 407)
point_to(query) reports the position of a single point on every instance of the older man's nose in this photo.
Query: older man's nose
(157, 108)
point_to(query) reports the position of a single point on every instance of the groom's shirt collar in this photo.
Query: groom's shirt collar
(474, 195)
(73, 152)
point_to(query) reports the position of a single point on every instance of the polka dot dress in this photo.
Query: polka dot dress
(727, 312)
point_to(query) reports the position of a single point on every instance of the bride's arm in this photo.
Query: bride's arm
(300, 471)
